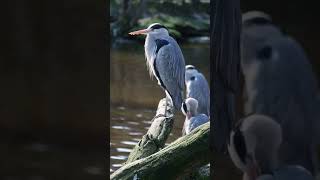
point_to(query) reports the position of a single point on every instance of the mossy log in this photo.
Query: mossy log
(172, 162)
(157, 134)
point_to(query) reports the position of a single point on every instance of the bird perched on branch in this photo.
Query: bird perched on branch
(193, 118)
(198, 88)
(165, 61)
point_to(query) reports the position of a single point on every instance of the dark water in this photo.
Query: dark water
(135, 97)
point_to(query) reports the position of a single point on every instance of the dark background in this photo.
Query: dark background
(53, 83)
(53, 89)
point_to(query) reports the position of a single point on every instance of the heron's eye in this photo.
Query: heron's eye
(265, 53)
(192, 78)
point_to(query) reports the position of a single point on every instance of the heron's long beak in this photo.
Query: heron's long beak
(142, 31)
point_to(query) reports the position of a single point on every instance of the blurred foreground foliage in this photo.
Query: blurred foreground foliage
(183, 18)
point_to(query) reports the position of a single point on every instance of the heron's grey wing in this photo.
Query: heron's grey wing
(225, 38)
(198, 120)
(198, 88)
(171, 67)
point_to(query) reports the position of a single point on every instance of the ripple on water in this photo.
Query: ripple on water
(116, 165)
(139, 115)
(135, 133)
(131, 143)
(126, 150)
(136, 139)
(119, 157)
(121, 127)
(133, 123)
(147, 122)
(118, 118)
(121, 108)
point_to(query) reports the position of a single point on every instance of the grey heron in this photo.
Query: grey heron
(280, 83)
(198, 88)
(165, 61)
(193, 119)
(254, 146)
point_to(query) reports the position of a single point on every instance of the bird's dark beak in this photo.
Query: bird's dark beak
(142, 31)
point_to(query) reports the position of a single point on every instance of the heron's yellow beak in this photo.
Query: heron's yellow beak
(142, 31)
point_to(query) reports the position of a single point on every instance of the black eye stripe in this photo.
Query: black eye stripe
(257, 21)
(190, 67)
(157, 26)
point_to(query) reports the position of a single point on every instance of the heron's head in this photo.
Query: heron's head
(155, 29)
(189, 107)
(191, 68)
(257, 41)
(191, 71)
(254, 144)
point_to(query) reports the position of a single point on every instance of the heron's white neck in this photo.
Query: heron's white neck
(194, 112)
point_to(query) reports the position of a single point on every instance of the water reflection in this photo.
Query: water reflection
(135, 97)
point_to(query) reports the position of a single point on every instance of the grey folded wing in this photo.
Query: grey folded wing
(171, 67)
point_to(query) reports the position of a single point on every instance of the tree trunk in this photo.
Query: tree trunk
(177, 159)
(157, 134)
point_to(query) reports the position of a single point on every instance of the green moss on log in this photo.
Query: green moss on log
(179, 158)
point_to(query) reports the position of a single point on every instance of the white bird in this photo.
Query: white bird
(193, 119)
(198, 88)
(254, 148)
(165, 61)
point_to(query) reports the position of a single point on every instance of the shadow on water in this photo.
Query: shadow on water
(135, 97)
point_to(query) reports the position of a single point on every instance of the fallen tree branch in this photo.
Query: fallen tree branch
(177, 159)
(157, 134)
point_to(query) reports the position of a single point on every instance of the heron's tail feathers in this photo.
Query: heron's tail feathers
(177, 102)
